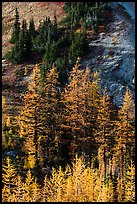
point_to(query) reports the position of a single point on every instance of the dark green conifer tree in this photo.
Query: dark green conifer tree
(16, 29)
(32, 30)
(25, 39)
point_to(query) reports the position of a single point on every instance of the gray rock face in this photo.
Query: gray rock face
(116, 64)
(129, 7)
(11, 153)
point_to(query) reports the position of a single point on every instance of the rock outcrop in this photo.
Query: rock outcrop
(116, 61)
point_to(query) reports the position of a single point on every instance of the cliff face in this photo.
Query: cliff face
(116, 61)
(129, 7)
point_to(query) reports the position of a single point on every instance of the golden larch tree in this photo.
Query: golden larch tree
(9, 180)
(77, 110)
(125, 140)
(103, 133)
(51, 117)
(30, 117)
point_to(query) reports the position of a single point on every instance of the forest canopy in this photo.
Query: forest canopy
(67, 141)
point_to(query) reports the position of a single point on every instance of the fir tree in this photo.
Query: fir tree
(16, 29)
(50, 56)
(25, 40)
(32, 30)
(55, 28)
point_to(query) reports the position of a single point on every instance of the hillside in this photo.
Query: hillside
(11, 73)
(118, 41)
(26, 10)
(68, 102)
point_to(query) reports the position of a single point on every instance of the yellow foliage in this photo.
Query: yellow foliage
(6, 194)
(3, 111)
(3, 101)
(77, 183)
(31, 161)
(9, 141)
(10, 131)
(25, 71)
(114, 40)
(28, 186)
(78, 30)
(101, 29)
(130, 184)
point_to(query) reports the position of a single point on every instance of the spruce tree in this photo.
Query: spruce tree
(16, 29)
(21, 51)
(32, 30)
(25, 40)
(55, 28)
(50, 56)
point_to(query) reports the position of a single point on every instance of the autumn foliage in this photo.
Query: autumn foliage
(71, 137)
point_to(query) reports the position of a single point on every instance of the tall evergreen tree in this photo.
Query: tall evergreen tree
(32, 30)
(32, 34)
(25, 40)
(50, 56)
(16, 29)
(55, 28)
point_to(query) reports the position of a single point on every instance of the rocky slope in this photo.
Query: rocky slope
(114, 58)
(112, 51)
